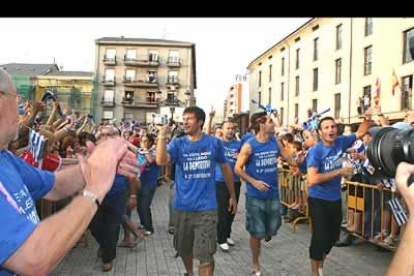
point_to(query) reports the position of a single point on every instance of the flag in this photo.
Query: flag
(395, 83)
(36, 145)
(399, 213)
(377, 93)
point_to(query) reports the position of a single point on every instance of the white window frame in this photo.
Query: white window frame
(111, 76)
(109, 95)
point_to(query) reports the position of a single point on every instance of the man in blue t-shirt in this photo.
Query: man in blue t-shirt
(195, 156)
(324, 163)
(28, 246)
(259, 157)
(225, 217)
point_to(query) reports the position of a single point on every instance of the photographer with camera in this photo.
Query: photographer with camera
(325, 170)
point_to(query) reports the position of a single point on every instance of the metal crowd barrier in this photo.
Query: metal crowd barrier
(293, 190)
(368, 214)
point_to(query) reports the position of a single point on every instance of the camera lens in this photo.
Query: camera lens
(388, 148)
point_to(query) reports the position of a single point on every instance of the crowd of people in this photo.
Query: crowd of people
(109, 170)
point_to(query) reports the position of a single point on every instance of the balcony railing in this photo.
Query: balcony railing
(108, 102)
(149, 83)
(108, 81)
(141, 62)
(173, 83)
(140, 102)
(109, 60)
(173, 62)
(131, 61)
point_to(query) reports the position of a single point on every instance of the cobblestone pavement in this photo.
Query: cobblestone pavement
(285, 255)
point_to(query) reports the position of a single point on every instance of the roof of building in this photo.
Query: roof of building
(72, 73)
(31, 70)
(142, 40)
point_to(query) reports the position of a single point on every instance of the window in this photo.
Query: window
(270, 95)
(339, 37)
(315, 105)
(109, 96)
(260, 97)
(297, 58)
(109, 75)
(270, 72)
(152, 77)
(151, 98)
(153, 55)
(283, 67)
(407, 36)
(173, 57)
(406, 98)
(368, 26)
(110, 55)
(315, 79)
(297, 86)
(171, 97)
(281, 115)
(172, 77)
(108, 115)
(367, 97)
(131, 54)
(282, 91)
(296, 111)
(338, 71)
(367, 60)
(260, 78)
(337, 111)
(130, 75)
(315, 49)
(129, 97)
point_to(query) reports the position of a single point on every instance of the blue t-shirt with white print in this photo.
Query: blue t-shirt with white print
(195, 163)
(262, 165)
(20, 185)
(231, 151)
(326, 159)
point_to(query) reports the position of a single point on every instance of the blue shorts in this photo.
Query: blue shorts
(262, 216)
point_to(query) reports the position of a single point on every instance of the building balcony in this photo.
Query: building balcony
(131, 61)
(108, 82)
(141, 63)
(109, 60)
(173, 62)
(152, 83)
(139, 103)
(172, 84)
(108, 102)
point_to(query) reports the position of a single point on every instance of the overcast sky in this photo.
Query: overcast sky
(224, 46)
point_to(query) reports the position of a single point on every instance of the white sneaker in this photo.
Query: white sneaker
(224, 246)
(320, 271)
(230, 242)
